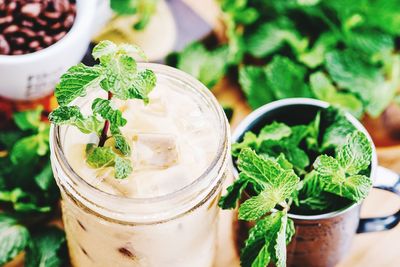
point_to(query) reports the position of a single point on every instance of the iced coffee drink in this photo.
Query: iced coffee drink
(154, 204)
(164, 213)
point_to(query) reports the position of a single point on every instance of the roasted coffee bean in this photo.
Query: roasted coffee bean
(18, 41)
(57, 37)
(34, 44)
(27, 23)
(11, 29)
(27, 32)
(31, 10)
(52, 15)
(56, 26)
(17, 52)
(4, 46)
(6, 19)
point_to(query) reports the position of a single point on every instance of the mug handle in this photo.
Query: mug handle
(387, 180)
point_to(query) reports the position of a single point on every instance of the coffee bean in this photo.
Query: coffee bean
(18, 41)
(10, 29)
(31, 10)
(6, 19)
(47, 40)
(34, 44)
(27, 32)
(27, 23)
(11, 7)
(69, 20)
(56, 26)
(17, 52)
(57, 37)
(4, 46)
(52, 15)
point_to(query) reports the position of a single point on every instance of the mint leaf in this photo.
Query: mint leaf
(27, 149)
(234, 192)
(28, 120)
(268, 233)
(23, 201)
(120, 141)
(341, 174)
(355, 187)
(48, 248)
(315, 56)
(75, 82)
(196, 60)
(72, 115)
(104, 50)
(274, 131)
(99, 157)
(271, 36)
(107, 112)
(252, 81)
(337, 128)
(323, 89)
(14, 238)
(123, 168)
(263, 257)
(44, 179)
(355, 156)
(142, 85)
(277, 184)
(286, 79)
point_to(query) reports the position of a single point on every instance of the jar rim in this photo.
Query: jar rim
(214, 165)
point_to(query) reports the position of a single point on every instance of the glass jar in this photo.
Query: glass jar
(178, 229)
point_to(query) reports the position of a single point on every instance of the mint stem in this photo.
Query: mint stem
(103, 136)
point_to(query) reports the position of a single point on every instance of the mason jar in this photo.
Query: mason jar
(177, 229)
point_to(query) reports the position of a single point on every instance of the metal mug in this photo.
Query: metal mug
(322, 240)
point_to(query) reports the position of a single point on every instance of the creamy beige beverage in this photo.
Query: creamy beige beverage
(165, 212)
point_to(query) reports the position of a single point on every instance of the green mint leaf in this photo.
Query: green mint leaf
(196, 60)
(257, 206)
(123, 167)
(328, 166)
(104, 50)
(72, 115)
(370, 41)
(269, 232)
(355, 187)
(28, 120)
(250, 140)
(263, 257)
(337, 128)
(356, 154)
(75, 82)
(106, 111)
(14, 238)
(99, 157)
(290, 230)
(271, 36)
(120, 141)
(252, 81)
(274, 131)
(48, 248)
(233, 194)
(23, 201)
(142, 85)
(323, 89)
(315, 56)
(280, 243)
(28, 149)
(286, 79)
(44, 179)
(277, 183)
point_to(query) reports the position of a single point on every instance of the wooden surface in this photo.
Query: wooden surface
(379, 249)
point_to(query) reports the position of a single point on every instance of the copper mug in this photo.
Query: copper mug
(322, 240)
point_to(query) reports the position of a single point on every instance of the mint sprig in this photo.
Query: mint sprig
(118, 75)
(276, 174)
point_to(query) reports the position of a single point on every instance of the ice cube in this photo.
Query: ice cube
(154, 151)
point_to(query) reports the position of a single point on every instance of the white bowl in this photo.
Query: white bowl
(34, 75)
